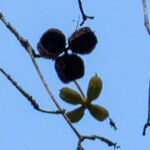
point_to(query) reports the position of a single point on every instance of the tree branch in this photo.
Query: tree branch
(31, 52)
(27, 95)
(84, 16)
(147, 124)
(146, 21)
(94, 137)
(147, 26)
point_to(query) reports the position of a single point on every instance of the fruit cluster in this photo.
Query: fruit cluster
(68, 66)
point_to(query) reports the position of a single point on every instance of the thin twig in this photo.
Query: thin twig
(146, 21)
(37, 55)
(79, 88)
(84, 16)
(147, 124)
(26, 94)
(94, 137)
(145, 127)
(112, 124)
(77, 25)
(31, 52)
(148, 117)
(147, 26)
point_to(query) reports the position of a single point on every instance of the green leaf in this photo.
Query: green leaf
(98, 112)
(76, 114)
(70, 96)
(94, 88)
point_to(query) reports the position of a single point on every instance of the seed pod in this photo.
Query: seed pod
(69, 67)
(76, 115)
(52, 43)
(94, 88)
(98, 112)
(83, 41)
(70, 96)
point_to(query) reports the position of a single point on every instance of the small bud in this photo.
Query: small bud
(83, 41)
(76, 115)
(52, 43)
(98, 112)
(70, 96)
(69, 67)
(94, 88)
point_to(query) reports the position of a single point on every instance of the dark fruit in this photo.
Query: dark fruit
(52, 43)
(82, 41)
(69, 67)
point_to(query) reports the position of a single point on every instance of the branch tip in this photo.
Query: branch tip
(84, 16)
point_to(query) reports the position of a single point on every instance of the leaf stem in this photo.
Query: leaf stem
(80, 89)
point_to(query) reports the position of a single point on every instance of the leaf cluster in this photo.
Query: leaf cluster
(93, 92)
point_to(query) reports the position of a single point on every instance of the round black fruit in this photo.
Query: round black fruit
(69, 67)
(83, 41)
(52, 43)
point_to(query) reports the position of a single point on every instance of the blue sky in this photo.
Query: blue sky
(121, 59)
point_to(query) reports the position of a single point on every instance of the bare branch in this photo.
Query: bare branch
(84, 16)
(147, 25)
(146, 21)
(27, 95)
(147, 124)
(94, 137)
(145, 127)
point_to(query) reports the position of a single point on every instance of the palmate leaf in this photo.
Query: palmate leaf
(70, 96)
(94, 88)
(98, 112)
(76, 114)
